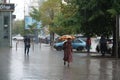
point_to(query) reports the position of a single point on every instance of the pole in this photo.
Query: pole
(117, 33)
(24, 17)
(10, 29)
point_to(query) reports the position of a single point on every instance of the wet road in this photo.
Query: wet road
(45, 63)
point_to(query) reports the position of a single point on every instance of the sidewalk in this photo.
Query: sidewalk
(45, 63)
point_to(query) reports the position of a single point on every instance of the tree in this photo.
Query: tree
(35, 14)
(58, 16)
(49, 9)
(99, 17)
(18, 27)
(66, 20)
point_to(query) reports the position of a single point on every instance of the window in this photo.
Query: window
(6, 21)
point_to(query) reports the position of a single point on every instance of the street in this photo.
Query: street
(45, 63)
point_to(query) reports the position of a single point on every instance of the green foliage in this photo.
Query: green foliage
(49, 9)
(97, 16)
(35, 14)
(58, 16)
(90, 17)
(18, 27)
(66, 20)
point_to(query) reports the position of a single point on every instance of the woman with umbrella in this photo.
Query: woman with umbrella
(67, 52)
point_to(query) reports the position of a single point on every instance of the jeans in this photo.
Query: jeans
(27, 49)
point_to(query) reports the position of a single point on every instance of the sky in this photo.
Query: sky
(19, 8)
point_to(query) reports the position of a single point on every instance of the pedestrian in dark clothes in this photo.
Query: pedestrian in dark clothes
(103, 45)
(27, 44)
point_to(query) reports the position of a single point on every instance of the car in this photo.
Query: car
(84, 38)
(77, 44)
(109, 46)
(18, 37)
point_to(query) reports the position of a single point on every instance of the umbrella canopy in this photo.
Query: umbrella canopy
(65, 37)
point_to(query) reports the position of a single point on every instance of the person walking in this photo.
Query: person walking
(67, 52)
(103, 45)
(88, 44)
(26, 44)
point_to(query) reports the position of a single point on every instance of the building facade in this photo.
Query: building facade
(6, 11)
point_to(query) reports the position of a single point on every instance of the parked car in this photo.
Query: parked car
(77, 44)
(18, 37)
(109, 46)
(84, 38)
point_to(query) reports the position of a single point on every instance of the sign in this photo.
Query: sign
(29, 21)
(7, 7)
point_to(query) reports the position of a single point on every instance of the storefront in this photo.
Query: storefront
(6, 19)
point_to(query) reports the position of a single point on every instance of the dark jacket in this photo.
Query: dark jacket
(27, 41)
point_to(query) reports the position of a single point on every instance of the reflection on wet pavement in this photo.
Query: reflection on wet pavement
(44, 63)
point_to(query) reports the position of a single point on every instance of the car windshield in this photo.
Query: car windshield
(82, 38)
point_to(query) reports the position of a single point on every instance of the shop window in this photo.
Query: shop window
(6, 22)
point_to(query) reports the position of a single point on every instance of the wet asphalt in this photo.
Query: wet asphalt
(45, 63)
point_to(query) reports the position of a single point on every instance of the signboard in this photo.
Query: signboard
(38, 24)
(7, 7)
(29, 21)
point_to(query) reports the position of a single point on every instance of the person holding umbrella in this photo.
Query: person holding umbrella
(67, 52)
(65, 37)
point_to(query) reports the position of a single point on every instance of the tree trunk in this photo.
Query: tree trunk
(115, 38)
(51, 38)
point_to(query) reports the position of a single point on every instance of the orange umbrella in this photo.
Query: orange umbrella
(65, 37)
